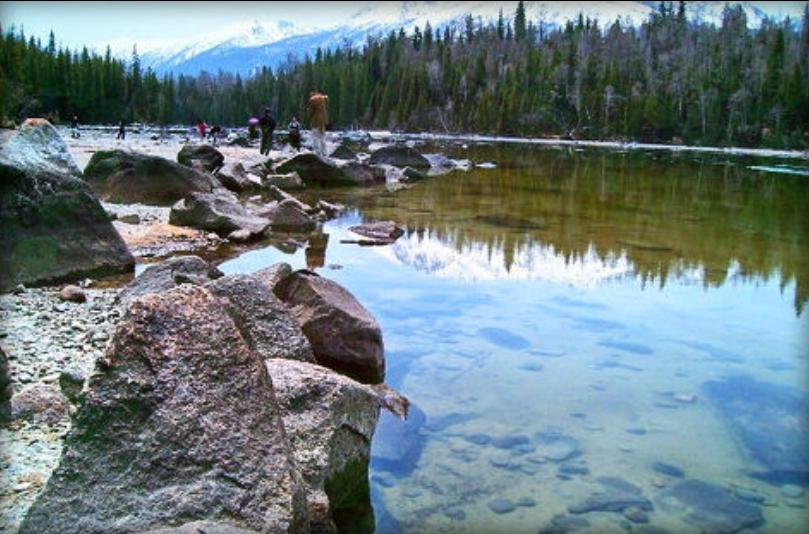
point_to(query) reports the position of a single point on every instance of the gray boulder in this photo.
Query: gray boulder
(361, 174)
(399, 156)
(264, 321)
(234, 177)
(203, 157)
(411, 175)
(289, 181)
(52, 227)
(342, 151)
(180, 425)
(344, 335)
(270, 276)
(37, 145)
(315, 169)
(288, 216)
(218, 213)
(329, 420)
(167, 275)
(278, 194)
(129, 177)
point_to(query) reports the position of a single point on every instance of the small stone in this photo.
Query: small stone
(795, 503)
(659, 482)
(240, 236)
(748, 495)
(19, 290)
(478, 439)
(574, 468)
(636, 515)
(527, 502)
(212, 237)
(685, 398)
(132, 218)
(455, 514)
(510, 441)
(668, 469)
(24, 486)
(637, 431)
(501, 506)
(72, 293)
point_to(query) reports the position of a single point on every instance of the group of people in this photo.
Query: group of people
(317, 108)
(318, 111)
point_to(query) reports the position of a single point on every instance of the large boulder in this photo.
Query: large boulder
(129, 177)
(180, 424)
(233, 176)
(203, 157)
(53, 229)
(343, 151)
(272, 275)
(344, 335)
(265, 322)
(289, 181)
(329, 420)
(361, 174)
(315, 169)
(167, 275)
(288, 216)
(220, 213)
(37, 145)
(280, 195)
(399, 156)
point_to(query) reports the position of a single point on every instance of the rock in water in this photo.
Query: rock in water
(380, 232)
(216, 212)
(52, 227)
(398, 443)
(264, 320)
(167, 275)
(37, 145)
(771, 420)
(344, 336)
(399, 156)
(343, 151)
(713, 509)
(329, 420)
(120, 176)
(181, 426)
(288, 181)
(200, 156)
(287, 216)
(233, 176)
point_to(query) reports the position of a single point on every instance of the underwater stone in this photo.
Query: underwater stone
(668, 469)
(712, 508)
(501, 506)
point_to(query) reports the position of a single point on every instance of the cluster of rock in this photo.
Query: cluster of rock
(223, 401)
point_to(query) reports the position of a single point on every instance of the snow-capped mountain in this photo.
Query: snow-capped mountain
(246, 48)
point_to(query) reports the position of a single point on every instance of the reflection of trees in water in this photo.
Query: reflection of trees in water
(667, 213)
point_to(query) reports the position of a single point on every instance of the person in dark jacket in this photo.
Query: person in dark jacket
(121, 129)
(267, 125)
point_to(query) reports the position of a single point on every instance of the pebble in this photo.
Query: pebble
(527, 502)
(636, 515)
(637, 431)
(73, 293)
(684, 398)
(668, 469)
(748, 495)
(24, 486)
(510, 441)
(501, 506)
(478, 439)
(455, 514)
(574, 468)
(659, 482)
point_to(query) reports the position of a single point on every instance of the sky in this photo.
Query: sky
(96, 24)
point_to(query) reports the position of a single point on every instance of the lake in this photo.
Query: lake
(592, 340)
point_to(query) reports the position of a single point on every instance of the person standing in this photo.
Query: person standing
(74, 127)
(318, 108)
(294, 130)
(202, 128)
(121, 130)
(267, 125)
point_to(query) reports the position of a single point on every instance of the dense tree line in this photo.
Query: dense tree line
(669, 78)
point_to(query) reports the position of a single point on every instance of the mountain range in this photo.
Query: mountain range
(247, 47)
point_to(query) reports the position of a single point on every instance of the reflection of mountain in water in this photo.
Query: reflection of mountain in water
(581, 217)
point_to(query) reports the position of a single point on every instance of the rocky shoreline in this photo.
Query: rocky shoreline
(73, 353)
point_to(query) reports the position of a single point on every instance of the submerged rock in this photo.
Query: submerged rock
(399, 156)
(398, 443)
(200, 156)
(52, 227)
(556, 446)
(329, 420)
(344, 335)
(130, 177)
(771, 420)
(167, 275)
(182, 425)
(712, 508)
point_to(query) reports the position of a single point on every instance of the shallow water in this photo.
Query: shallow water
(573, 315)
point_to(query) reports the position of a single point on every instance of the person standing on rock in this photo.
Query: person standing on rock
(318, 108)
(294, 130)
(121, 130)
(267, 125)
